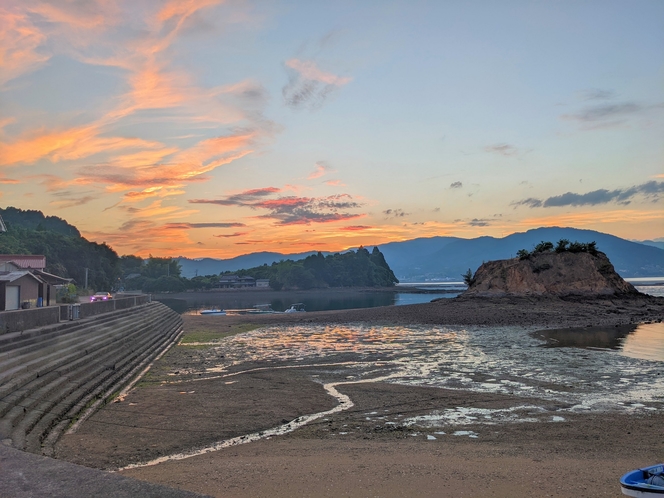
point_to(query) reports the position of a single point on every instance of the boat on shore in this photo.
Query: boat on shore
(647, 482)
(258, 309)
(212, 312)
(296, 308)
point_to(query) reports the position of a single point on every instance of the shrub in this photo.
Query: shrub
(543, 247)
(468, 277)
(523, 254)
(561, 246)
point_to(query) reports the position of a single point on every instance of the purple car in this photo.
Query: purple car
(101, 296)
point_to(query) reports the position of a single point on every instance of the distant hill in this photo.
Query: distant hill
(654, 243)
(449, 257)
(67, 253)
(35, 220)
(211, 266)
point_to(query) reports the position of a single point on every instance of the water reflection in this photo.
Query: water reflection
(588, 337)
(504, 360)
(313, 301)
(645, 341)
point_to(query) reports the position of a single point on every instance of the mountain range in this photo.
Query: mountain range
(441, 258)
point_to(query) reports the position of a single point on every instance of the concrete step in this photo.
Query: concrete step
(65, 365)
(55, 337)
(13, 340)
(45, 388)
(101, 391)
(90, 339)
(99, 388)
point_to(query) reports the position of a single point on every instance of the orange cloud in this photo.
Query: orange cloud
(322, 168)
(183, 8)
(74, 143)
(19, 43)
(592, 218)
(4, 179)
(355, 228)
(335, 183)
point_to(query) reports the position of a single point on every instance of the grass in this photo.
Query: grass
(178, 357)
(210, 335)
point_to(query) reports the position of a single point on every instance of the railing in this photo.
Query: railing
(19, 320)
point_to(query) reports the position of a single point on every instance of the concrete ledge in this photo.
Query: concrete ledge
(25, 475)
(18, 320)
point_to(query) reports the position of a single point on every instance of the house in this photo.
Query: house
(262, 282)
(235, 282)
(18, 287)
(24, 283)
(25, 261)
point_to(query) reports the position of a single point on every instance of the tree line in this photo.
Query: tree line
(68, 254)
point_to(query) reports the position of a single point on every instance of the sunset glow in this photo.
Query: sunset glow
(217, 128)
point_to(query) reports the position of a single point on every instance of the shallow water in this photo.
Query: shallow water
(645, 341)
(502, 360)
(312, 302)
(508, 360)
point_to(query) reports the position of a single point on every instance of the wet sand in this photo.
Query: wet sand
(369, 449)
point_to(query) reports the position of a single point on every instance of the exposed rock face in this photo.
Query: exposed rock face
(550, 273)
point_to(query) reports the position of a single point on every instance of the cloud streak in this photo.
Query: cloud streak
(188, 226)
(395, 213)
(291, 210)
(308, 85)
(502, 149)
(322, 169)
(650, 190)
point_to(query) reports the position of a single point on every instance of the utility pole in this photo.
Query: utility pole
(3, 227)
(86, 277)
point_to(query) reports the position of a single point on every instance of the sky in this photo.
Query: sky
(211, 128)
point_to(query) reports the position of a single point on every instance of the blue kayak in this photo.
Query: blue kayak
(646, 482)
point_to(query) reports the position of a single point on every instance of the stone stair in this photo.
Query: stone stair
(52, 375)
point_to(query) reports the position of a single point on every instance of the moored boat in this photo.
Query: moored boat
(295, 308)
(646, 482)
(212, 312)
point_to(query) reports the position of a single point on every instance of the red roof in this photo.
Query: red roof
(25, 260)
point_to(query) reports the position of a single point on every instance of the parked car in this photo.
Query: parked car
(101, 296)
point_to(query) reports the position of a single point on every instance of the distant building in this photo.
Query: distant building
(262, 282)
(19, 287)
(232, 281)
(25, 261)
(24, 283)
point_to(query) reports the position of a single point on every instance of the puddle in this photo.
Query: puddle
(471, 434)
(644, 341)
(486, 416)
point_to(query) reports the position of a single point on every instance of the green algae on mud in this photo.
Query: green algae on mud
(195, 341)
(200, 334)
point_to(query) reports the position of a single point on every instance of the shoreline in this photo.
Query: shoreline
(350, 452)
(547, 312)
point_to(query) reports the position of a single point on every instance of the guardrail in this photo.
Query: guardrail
(19, 320)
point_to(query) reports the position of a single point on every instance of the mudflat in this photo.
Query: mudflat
(506, 442)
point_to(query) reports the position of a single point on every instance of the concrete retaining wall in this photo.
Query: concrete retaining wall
(19, 320)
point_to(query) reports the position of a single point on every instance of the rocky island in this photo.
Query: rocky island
(569, 270)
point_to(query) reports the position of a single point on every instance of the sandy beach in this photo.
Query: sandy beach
(499, 418)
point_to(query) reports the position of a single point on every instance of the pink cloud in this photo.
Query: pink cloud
(310, 71)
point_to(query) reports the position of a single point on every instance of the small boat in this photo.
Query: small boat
(647, 482)
(212, 312)
(295, 308)
(258, 309)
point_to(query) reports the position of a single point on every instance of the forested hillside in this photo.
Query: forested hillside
(350, 269)
(67, 253)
